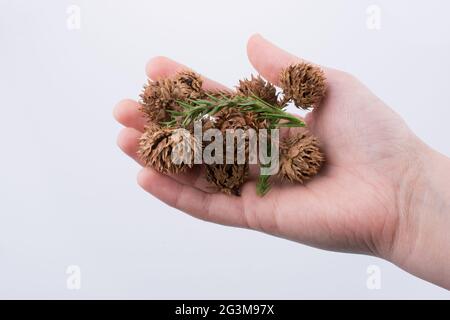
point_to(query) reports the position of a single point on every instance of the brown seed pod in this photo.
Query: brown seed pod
(304, 84)
(151, 127)
(157, 147)
(228, 178)
(259, 87)
(300, 157)
(233, 118)
(162, 95)
(189, 84)
(158, 97)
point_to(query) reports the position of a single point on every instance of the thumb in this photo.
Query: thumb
(269, 60)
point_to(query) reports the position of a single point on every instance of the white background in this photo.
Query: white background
(68, 196)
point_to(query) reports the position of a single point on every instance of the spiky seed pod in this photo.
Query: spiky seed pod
(158, 97)
(156, 149)
(162, 95)
(190, 84)
(228, 178)
(259, 87)
(237, 124)
(300, 157)
(233, 118)
(304, 84)
(151, 127)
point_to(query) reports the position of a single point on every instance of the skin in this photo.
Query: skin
(382, 192)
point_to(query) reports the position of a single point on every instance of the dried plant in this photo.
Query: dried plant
(197, 109)
(190, 85)
(259, 87)
(156, 147)
(228, 178)
(161, 96)
(158, 97)
(177, 102)
(304, 84)
(300, 157)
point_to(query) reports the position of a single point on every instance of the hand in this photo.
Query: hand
(364, 199)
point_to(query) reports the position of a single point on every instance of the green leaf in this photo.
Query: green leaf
(263, 185)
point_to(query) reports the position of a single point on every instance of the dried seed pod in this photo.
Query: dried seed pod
(228, 178)
(189, 84)
(304, 84)
(162, 95)
(168, 150)
(151, 127)
(258, 87)
(300, 157)
(233, 118)
(158, 97)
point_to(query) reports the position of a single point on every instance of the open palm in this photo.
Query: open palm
(352, 205)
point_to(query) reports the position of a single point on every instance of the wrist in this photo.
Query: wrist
(422, 240)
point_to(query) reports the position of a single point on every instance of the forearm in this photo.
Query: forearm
(423, 238)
